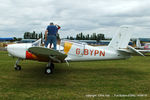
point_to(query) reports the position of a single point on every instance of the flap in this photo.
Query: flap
(48, 53)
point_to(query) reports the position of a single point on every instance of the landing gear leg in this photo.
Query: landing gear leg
(49, 69)
(17, 67)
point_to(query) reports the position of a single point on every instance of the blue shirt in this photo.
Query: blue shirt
(52, 30)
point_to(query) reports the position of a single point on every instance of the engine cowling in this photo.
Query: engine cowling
(18, 50)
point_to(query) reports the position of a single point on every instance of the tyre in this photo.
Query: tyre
(48, 70)
(18, 67)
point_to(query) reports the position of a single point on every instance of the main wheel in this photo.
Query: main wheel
(48, 70)
(18, 67)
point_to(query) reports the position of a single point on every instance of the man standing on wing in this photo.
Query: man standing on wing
(51, 36)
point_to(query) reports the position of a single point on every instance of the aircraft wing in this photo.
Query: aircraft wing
(46, 54)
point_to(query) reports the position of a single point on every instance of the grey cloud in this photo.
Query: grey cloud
(19, 16)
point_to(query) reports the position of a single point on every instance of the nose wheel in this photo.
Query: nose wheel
(17, 67)
(49, 69)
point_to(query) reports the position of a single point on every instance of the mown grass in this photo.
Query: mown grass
(81, 80)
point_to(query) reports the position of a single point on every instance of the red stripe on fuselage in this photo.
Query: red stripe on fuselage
(30, 56)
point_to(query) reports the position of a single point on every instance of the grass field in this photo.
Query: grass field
(81, 80)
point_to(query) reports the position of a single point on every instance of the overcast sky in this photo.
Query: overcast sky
(74, 16)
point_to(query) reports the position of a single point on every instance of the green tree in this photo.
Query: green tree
(33, 36)
(77, 37)
(36, 36)
(100, 37)
(87, 37)
(41, 35)
(28, 35)
(71, 38)
(67, 37)
(25, 35)
(83, 37)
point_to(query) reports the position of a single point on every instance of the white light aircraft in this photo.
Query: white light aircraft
(74, 51)
(143, 49)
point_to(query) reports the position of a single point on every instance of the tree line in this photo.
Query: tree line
(32, 35)
(80, 36)
(94, 36)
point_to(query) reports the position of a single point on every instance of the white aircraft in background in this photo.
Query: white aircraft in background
(143, 49)
(71, 51)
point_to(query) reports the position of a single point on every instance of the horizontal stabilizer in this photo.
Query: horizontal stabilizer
(131, 50)
(134, 50)
(144, 51)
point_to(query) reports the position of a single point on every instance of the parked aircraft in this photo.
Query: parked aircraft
(74, 51)
(6, 39)
(142, 49)
(147, 46)
(138, 44)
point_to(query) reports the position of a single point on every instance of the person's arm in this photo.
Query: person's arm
(46, 35)
(58, 26)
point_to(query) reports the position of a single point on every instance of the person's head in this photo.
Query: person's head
(51, 23)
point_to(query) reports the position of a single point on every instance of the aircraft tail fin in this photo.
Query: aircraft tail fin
(121, 38)
(138, 44)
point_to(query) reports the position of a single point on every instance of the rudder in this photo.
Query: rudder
(121, 38)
